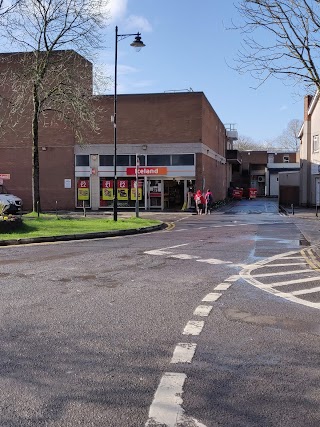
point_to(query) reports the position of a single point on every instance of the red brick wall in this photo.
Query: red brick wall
(143, 118)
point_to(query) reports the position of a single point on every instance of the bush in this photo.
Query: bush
(9, 223)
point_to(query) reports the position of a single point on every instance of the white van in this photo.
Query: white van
(12, 204)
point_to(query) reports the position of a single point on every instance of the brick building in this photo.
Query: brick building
(180, 140)
(260, 169)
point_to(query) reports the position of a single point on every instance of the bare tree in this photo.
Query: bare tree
(7, 6)
(246, 143)
(281, 39)
(289, 139)
(46, 79)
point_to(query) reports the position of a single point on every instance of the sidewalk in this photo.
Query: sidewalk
(309, 224)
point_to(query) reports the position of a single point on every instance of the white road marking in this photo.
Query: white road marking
(282, 273)
(214, 261)
(183, 353)
(232, 279)
(193, 327)
(184, 256)
(200, 228)
(306, 291)
(211, 297)
(292, 282)
(166, 407)
(247, 271)
(292, 257)
(288, 264)
(182, 229)
(222, 287)
(202, 310)
(176, 246)
(158, 252)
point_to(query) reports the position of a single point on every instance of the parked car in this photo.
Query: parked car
(12, 204)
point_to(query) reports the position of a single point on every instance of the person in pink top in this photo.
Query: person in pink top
(200, 202)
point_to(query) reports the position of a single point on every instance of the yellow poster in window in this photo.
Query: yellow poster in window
(83, 194)
(123, 193)
(107, 193)
(133, 193)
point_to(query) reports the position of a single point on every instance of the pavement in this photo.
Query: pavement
(308, 222)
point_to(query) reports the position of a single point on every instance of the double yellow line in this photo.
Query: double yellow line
(311, 258)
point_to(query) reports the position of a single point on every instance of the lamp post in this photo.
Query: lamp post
(137, 44)
(137, 185)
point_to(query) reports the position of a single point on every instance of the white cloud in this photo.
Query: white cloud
(117, 9)
(138, 23)
(283, 107)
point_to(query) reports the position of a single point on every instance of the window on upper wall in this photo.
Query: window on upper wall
(182, 159)
(142, 160)
(158, 160)
(286, 159)
(82, 160)
(105, 160)
(315, 143)
(123, 160)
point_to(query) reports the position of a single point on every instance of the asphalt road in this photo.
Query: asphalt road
(182, 327)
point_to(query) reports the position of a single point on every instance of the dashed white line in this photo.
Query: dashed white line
(214, 261)
(222, 287)
(183, 353)
(193, 327)
(158, 252)
(202, 310)
(211, 297)
(184, 256)
(166, 407)
(232, 279)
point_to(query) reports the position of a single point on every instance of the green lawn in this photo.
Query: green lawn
(50, 225)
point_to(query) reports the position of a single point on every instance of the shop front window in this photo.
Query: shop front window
(126, 192)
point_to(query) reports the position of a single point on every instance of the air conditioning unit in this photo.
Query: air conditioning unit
(261, 179)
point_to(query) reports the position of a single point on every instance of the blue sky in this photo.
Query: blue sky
(188, 46)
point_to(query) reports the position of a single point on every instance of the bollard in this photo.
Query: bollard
(292, 209)
(57, 208)
(38, 210)
(84, 209)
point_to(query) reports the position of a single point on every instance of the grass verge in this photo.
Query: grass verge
(50, 225)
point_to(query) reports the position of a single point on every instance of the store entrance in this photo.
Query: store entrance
(173, 194)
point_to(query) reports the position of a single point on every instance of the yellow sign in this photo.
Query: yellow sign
(107, 193)
(83, 194)
(123, 194)
(133, 193)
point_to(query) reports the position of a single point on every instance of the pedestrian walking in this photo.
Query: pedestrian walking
(200, 202)
(208, 202)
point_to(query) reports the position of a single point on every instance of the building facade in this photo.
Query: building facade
(310, 153)
(177, 139)
(260, 169)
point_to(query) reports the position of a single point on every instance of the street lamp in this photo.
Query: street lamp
(137, 44)
(137, 185)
